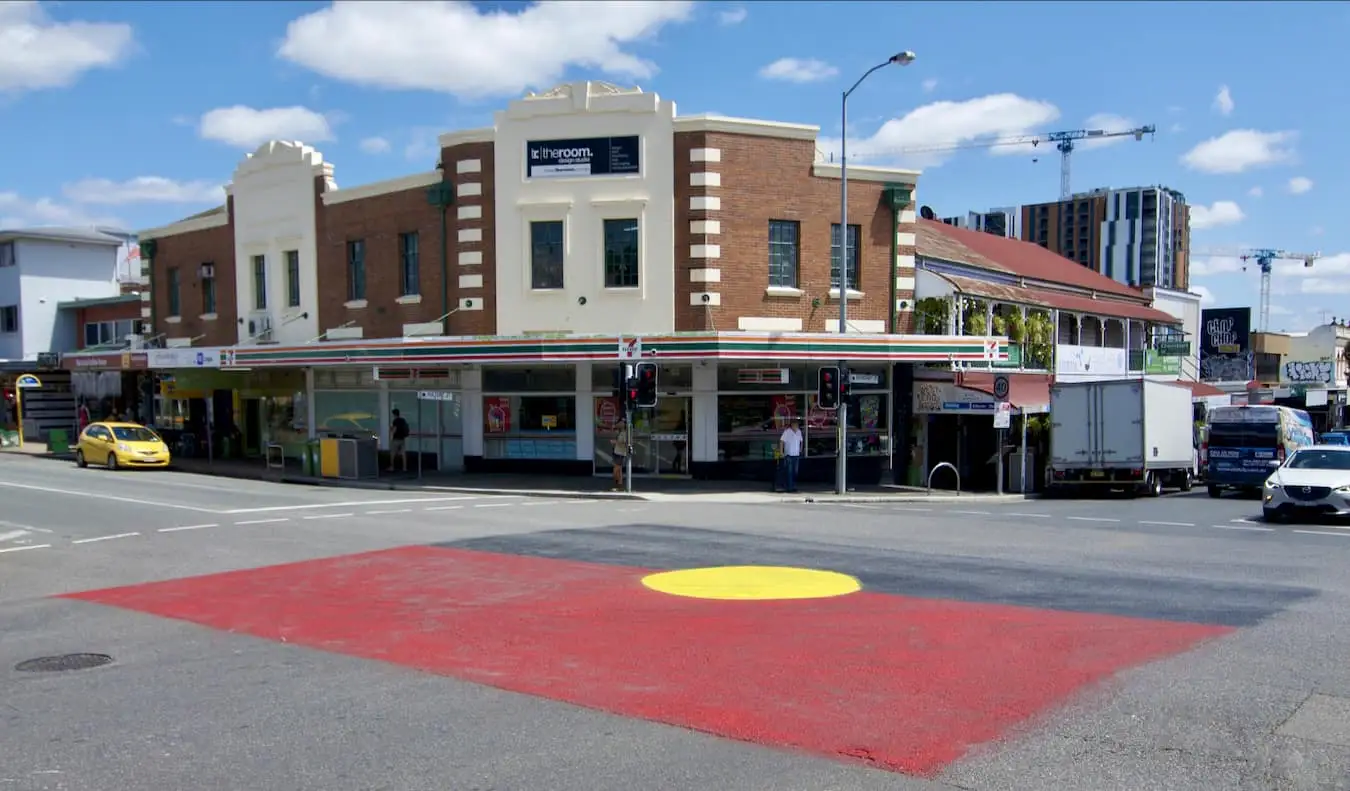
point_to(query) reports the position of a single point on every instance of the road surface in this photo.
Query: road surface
(272, 636)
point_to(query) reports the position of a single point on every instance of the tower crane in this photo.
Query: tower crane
(1065, 143)
(1264, 258)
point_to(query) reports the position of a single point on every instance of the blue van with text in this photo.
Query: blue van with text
(1246, 443)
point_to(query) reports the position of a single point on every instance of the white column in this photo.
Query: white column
(703, 431)
(472, 384)
(585, 413)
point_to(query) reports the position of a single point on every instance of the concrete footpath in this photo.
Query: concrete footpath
(645, 489)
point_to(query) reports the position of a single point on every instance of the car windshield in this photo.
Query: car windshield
(134, 434)
(1320, 460)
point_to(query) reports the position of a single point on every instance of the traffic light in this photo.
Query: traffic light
(645, 397)
(829, 389)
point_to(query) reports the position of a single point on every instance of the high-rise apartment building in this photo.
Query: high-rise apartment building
(999, 222)
(1138, 236)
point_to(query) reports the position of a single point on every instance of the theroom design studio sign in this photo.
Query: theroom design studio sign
(597, 156)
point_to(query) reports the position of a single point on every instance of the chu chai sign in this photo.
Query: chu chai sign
(596, 156)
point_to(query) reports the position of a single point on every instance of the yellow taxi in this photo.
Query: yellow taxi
(117, 445)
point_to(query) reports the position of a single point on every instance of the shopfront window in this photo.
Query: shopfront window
(352, 413)
(668, 377)
(529, 426)
(750, 426)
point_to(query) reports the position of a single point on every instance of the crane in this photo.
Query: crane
(1065, 143)
(1265, 258)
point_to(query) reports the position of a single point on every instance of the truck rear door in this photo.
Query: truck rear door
(1119, 421)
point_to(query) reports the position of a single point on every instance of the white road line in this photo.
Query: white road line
(1167, 524)
(1322, 533)
(113, 498)
(973, 513)
(329, 516)
(494, 505)
(353, 504)
(262, 521)
(912, 510)
(538, 503)
(862, 507)
(1246, 520)
(13, 534)
(23, 549)
(17, 526)
(1091, 519)
(185, 527)
(390, 511)
(433, 508)
(1034, 516)
(1252, 528)
(104, 538)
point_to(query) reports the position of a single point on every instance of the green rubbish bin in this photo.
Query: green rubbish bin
(309, 459)
(58, 441)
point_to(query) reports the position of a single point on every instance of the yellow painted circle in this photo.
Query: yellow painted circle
(752, 583)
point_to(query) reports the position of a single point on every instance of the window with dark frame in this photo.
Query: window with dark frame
(409, 266)
(260, 282)
(174, 287)
(7, 257)
(292, 278)
(784, 253)
(9, 318)
(621, 253)
(209, 293)
(852, 253)
(356, 270)
(546, 254)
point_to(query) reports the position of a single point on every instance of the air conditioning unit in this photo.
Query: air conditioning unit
(207, 270)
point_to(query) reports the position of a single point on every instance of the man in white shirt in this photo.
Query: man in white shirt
(791, 445)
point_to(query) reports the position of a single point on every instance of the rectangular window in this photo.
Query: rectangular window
(91, 334)
(621, 253)
(7, 254)
(356, 270)
(409, 266)
(293, 278)
(546, 254)
(260, 282)
(208, 295)
(852, 253)
(174, 287)
(784, 255)
(9, 318)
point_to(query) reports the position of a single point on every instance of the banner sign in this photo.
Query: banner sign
(596, 156)
(1225, 345)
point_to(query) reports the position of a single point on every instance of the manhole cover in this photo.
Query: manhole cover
(58, 664)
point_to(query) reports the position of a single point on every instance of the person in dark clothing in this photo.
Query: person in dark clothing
(398, 446)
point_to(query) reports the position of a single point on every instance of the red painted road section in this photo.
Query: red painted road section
(901, 683)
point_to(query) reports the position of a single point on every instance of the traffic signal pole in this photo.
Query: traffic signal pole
(628, 457)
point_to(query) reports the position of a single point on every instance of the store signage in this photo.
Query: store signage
(853, 379)
(1086, 363)
(435, 395)
(27, 382)
(938, 398)
(1156, 363)
(762, 376)
(596, 156)
(186, 357)
(1174, 348)
(125, 360)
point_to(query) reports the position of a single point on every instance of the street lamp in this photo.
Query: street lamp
(899, 59)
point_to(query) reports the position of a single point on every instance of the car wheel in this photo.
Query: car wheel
(111, 463)
(1271, 515)
(1153, 485)
(1187, 481)
(79, 459)
(1215, 492)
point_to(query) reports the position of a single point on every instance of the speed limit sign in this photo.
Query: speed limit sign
(1001, 386)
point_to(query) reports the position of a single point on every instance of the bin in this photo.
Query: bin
(309, 458)
(58, 441)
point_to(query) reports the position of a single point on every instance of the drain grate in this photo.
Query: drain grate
(61, 664)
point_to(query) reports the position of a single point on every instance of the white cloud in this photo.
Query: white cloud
(1206, 296)
(375, 145)
(1223, 212)
(1215, 265)
(798, 70)
(16, 211)
(924, 136)
(1223, 101)
(143, 189)
(732, 16)
(929, 85)
(38, 53)
(1256, 192)
(1107, 122)
(1240, 150)
(407, 45)
(1299, 185)
(246, 127)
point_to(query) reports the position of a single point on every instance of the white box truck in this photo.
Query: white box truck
(1132, 434)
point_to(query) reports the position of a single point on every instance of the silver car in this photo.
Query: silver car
(1314, 481)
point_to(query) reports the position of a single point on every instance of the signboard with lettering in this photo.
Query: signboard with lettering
(596, 156)
(1225, 345)
(184, 357)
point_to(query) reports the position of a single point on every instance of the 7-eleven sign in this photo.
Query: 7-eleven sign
(630, 348)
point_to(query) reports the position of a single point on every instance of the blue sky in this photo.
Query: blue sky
(135, 113)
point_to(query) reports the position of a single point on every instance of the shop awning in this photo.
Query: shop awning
(1095, 306)
(1030, 392)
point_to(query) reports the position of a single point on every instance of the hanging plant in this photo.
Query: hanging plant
(974, 317)
(1008, 323)
(930, 316)
(1039, 332)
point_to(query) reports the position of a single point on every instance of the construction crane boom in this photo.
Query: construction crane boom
(1264, 258)
(1065, 143)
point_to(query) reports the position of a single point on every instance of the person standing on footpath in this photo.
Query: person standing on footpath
(620, 454)
(791, 445)
(398, 446)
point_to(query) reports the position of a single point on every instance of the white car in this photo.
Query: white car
(1314, 481)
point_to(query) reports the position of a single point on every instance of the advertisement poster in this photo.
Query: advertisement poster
(596, 156)
(608, 414)
(497, 414)
(1225, 345)
(817, 417)
(784, 410)
(869, 408)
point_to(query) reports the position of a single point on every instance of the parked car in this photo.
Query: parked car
(1314, 481)
(117, 445)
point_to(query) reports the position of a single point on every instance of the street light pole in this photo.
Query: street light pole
(841, 462)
